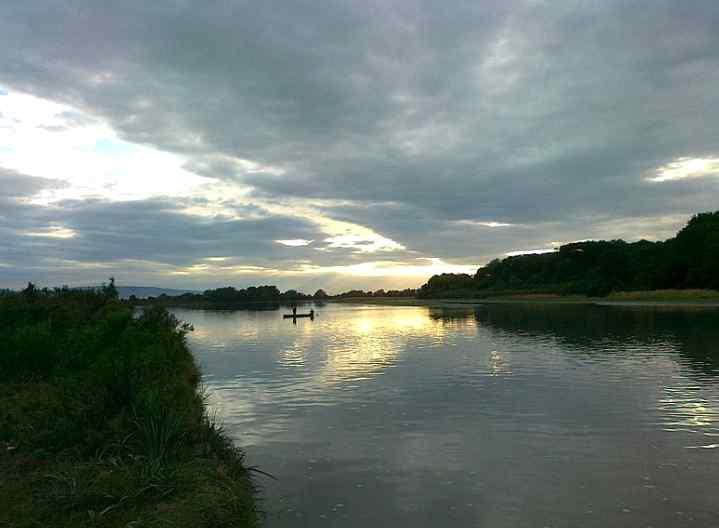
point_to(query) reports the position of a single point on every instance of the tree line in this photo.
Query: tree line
(266, 294)
(597, 268)
(351, 294)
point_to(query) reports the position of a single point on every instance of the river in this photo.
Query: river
(494, 415)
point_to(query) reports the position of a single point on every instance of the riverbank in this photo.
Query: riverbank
(709, 298)
(103, 422)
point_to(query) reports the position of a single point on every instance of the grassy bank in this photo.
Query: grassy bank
(102, 424)
(407, 301)
(636, 297)
(698, 297)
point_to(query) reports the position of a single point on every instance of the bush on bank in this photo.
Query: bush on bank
(102, 422)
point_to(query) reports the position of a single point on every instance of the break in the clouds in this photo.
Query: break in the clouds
(344, 144)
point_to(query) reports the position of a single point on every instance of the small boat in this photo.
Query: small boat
(311, 315)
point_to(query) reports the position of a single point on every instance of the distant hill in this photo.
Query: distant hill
(690, 260)
(142, 292)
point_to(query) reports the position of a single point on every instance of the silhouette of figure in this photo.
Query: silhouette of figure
(312, 314)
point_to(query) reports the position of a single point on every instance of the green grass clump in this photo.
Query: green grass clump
(102, 423)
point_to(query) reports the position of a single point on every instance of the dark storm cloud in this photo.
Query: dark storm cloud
(546, 115)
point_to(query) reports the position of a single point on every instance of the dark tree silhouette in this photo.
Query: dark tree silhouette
(110, 290)
(320, 294)
(596, 268)
(30, 290)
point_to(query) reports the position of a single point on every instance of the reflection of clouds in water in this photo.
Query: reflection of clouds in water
(430, 452)
(219, 326)
(360, 344)
(372, 341)
(294, 354)
(315, 364)
(360, 356)
(232, 407)
(425, 456)
(222, 333)
(688, 405)
(200, 333)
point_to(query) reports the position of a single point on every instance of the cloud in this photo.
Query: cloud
(683, 168)
(379, 131)
(53, 140)
(14, 184)
(54, 232)
(109, 234)
(295, 242)
(530, 252)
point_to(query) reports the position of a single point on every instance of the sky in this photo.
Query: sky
(344, 144)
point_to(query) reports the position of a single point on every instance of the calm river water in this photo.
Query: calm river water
(495, 415)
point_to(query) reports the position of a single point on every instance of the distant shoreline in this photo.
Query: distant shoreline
(699, 298)
(689, 298)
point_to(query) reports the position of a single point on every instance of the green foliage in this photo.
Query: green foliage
(320, 294)
(269, 297)
(597, 268)
(260, 297)
(101, 419)
(253, 293)
(358, 294)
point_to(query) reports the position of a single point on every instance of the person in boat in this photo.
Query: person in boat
(294, 311)
(312, 314)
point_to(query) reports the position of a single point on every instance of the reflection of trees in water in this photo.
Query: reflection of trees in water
(258, 307)
(248, 306)
(694, 331)
(453, 315)
(592, 329)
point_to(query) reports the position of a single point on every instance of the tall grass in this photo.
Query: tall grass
(102, 422)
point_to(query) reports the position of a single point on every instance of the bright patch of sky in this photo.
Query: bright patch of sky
(54, 232)
(422, 267)
(477, 223)
(369, 242)
(417, 268)
(341, 235)
(87, 154)
(52, 140)
(296, 242)
(530, 252)
(683, 168)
